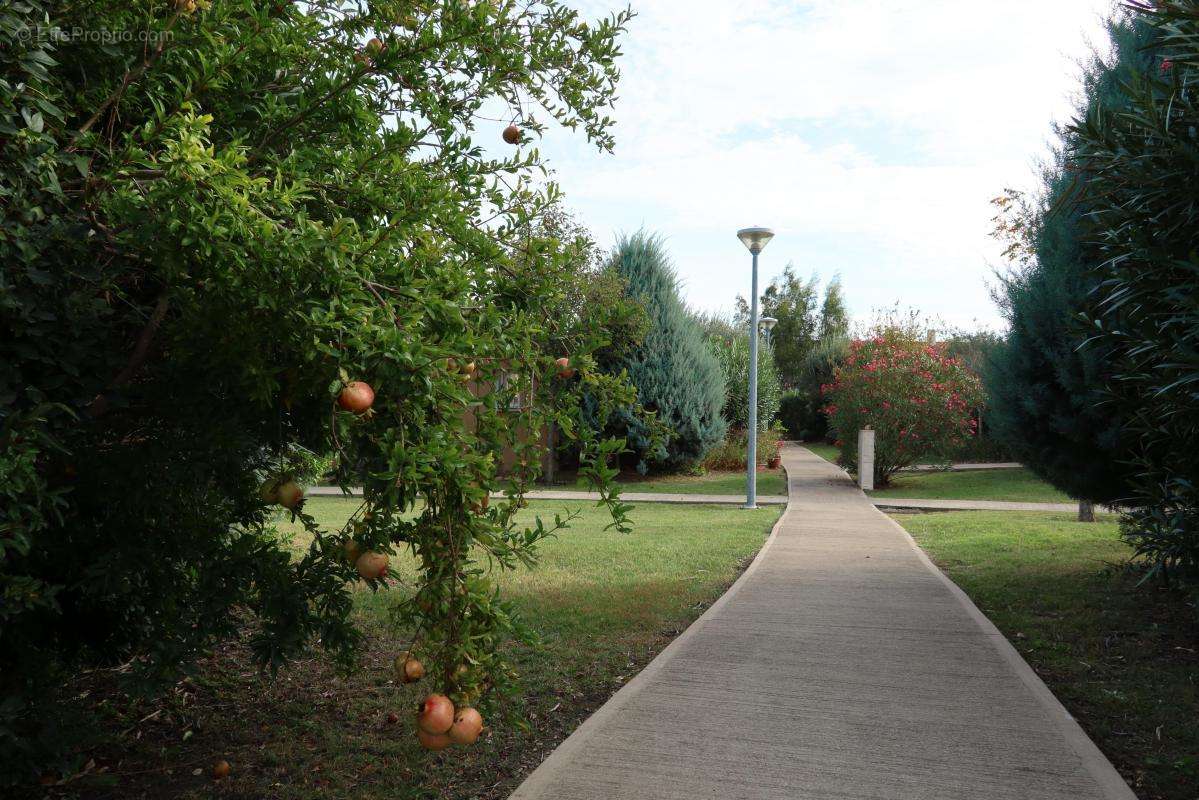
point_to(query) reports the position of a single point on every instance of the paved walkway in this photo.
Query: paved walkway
(964, 467)
(628, 497)
(765, 500)
(841, 666)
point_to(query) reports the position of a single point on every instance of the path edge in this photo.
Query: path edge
(537, 780)
(1106, 776)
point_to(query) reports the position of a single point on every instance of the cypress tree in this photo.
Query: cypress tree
(1044, 388)
(1047, 387)
(674, 371)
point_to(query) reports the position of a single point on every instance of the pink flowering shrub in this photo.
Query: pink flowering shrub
(919, 401)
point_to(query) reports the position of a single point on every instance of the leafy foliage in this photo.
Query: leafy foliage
(731, 453)
(209, 228)
(834, 316)
(1134, 156)
(802, 410)
(675, 373)
(794, 303)
(917, 399)
(1044, 388)
(733, 355)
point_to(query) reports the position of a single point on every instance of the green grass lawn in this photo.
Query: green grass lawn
(1124, 660)
(1018, 485)
(773, 481)
(604, 602)
(826, 451)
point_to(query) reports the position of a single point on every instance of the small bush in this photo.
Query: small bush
(675, 372)
(917, 399)
(730, 453)
(733, 355)
(802, 418)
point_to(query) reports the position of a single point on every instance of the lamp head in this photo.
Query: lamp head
(768, 323)
(755, 239)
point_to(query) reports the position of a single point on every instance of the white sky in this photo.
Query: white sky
(870, 134)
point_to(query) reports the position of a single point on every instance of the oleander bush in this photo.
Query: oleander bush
(917, 399)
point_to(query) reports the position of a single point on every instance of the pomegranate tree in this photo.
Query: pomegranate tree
(225, 273)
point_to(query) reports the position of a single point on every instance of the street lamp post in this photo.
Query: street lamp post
(756, 240)
(768, 324)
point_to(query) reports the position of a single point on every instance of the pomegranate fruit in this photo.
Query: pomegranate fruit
(374, 46)
(357, 396)
(351, 550)
(468, 724)
(409, 669)
(269, 491)
(371, 565)
(433, 741)
(289, 495)
(565, 370)
(221, 769)
(436, 714)
(512, 134)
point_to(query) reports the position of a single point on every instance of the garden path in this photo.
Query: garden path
(766, 500)
(842, 664)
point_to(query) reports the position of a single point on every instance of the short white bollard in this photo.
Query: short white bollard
(866, 459)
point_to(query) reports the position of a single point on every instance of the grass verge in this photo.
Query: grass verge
(604, 602)
(823, 449)
(1124, 660)
(1015, 485)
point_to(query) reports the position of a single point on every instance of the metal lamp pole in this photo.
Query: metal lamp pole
(768, 324)
(755, 239)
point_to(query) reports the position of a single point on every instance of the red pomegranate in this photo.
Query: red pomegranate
(436, 714)
(289, 495)
(468, 723)
(433, 741)
(357, 396)
(371, 565)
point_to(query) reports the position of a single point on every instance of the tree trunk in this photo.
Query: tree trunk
(1086, 511)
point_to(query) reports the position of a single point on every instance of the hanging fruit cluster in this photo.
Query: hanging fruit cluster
(442, 512)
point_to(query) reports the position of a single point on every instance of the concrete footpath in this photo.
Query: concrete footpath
(842, 664)
(764, 500)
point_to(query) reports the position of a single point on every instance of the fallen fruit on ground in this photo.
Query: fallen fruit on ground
(409, 669)
(357, 396)
(372, 565)
(289, 495)
(436, 714)
(221, 769)
(468, 724)
(512, 134)
(433, 741)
